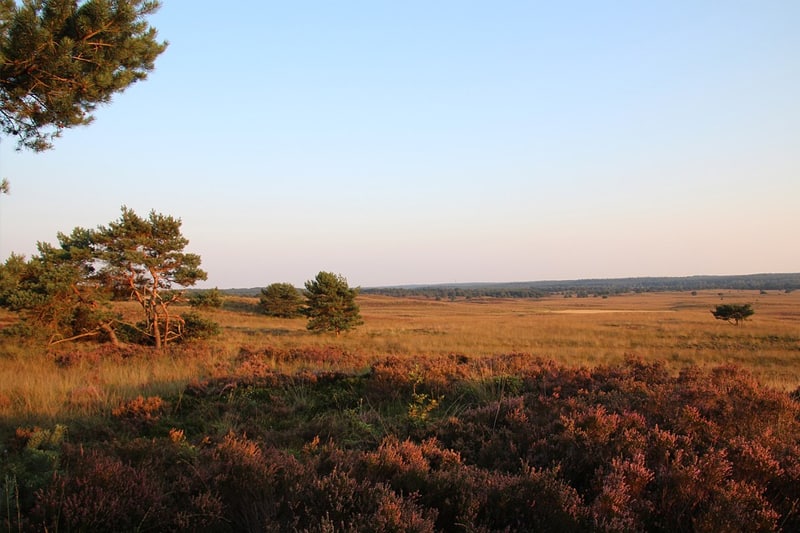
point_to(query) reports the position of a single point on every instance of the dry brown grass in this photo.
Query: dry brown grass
(675, 327)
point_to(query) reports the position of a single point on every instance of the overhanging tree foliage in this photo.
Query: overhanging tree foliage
(733, 313)
(331, 304)
(60, 59)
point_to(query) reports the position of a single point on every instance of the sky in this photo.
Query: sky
(445, 141)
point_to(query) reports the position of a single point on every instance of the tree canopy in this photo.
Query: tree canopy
(281, 300)
(60, 59)
(331, 304)
(56, 290)
(733, 313)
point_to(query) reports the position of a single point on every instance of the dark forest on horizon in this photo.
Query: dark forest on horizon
(581, 287)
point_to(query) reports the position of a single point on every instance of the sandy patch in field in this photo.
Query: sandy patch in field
(598, 311)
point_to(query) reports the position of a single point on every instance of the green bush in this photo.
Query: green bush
(210, 299)
(196, 326)
(281, 300)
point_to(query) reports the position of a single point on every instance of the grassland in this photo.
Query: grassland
(635, 412)
(40, 383)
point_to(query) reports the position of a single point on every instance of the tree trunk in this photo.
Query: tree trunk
(154, 308)
(166, 323)
(157, 333)
(155, 327)
(112, 336)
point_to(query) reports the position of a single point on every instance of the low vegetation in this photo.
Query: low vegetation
(636, 412)
(206, 299)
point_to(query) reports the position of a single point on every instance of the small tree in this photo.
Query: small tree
(331, 304)
(146, 256)
(733, 313)
(281, 300)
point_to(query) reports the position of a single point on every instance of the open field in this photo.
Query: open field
(676, 328)
(636, 412)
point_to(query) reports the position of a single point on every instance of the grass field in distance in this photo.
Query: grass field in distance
(675, 327)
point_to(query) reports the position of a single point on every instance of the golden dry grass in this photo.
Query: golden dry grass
(675, 327)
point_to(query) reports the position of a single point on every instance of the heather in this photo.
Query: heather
(424, 446)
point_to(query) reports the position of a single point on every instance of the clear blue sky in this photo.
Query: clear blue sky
(446, 141)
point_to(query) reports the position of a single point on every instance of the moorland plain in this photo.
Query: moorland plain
(636, 412)
(41, 383)
(676, 327)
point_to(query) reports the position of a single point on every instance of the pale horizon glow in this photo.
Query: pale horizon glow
(437, 142)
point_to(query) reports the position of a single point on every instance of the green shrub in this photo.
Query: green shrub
(209, 299)
(196, 326)
(281, 300)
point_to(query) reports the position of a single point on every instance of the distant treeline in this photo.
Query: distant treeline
(578, 288)
(595, 287)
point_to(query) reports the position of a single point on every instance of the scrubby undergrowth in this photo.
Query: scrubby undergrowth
(507, 443)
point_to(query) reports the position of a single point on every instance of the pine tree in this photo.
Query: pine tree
(145, 257)
(60, 59)
(281, 300)
(733, 313)
(61, 289)
(56, 292)
(331, 304)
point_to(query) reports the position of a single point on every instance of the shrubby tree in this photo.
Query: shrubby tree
(56, 290)
(60, 59)
(281, 300)
(63, 288)
(211, 298)
(733, 313)
(331, 304)
(196, 326)
(12, 274)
